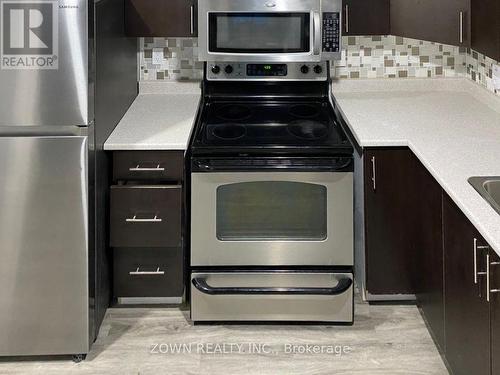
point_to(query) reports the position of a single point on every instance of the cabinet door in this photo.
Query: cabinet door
(466, 308)
(363, 17)
(428, 242)
(388, 221)
(486, 27)
(443, 21)
(495, 312)
(160, 18)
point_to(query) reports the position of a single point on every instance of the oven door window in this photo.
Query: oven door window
(259, 32)
(271, 211)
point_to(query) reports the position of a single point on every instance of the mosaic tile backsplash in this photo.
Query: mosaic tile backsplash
(362, 57)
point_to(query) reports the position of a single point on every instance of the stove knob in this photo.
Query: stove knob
(318, 69)
(228, 69)
(304, 69)
(215, 69)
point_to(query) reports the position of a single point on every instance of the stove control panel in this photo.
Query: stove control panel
(238, 71)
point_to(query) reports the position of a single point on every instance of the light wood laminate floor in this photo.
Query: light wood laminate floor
(385, 340)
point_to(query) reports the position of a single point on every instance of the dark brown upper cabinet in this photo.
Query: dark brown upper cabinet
(442, 21)
(467, 311)
(485, 16)
(160, 18)
(363, 17)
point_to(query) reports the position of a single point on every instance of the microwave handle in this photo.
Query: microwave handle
(317, 33)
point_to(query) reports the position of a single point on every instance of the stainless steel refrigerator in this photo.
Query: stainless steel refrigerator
(67, 75)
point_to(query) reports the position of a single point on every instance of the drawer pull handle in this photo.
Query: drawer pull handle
(134, 219)
(347, 19)
(476, 248)
(461, 27)
(137, 272)
(489, 291)
(191, 28)
(202, 285)
(138, 168)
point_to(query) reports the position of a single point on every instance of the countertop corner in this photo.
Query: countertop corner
(161, 117)
(452, 125)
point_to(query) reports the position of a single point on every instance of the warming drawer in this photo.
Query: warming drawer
(272, 296)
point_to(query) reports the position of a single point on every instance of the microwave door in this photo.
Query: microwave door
(260, 35)
(272, 31)
(253, 32)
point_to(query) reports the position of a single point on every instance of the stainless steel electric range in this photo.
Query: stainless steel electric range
(271, 197)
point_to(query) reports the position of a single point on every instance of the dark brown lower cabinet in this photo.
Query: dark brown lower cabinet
(403, 224)
(495, 313)
(467, 319)
(419, 242)
(147, 224)
(146, 216)
(389, 250)
(148, 272)
(428, 242)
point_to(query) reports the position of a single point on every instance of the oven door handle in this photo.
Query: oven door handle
(202, 285)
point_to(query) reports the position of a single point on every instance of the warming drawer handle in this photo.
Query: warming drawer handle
(202, 285)
(134, 219)
(138, 168)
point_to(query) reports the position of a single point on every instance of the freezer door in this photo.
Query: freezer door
(43, 246)
(43, 63)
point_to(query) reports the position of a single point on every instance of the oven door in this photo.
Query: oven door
(272, 218)
(259, 30)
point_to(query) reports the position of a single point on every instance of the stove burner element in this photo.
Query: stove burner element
(234, 112)
(229, 131)
(307, 129)
(304, 111)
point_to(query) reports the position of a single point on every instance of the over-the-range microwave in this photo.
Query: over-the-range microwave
(269, 30)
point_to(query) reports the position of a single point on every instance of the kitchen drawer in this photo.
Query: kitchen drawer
(145, 216)
(148, 165)
(272, 296)
(148, 272)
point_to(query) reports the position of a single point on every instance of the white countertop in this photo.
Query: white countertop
(452, 125)
(161, 118)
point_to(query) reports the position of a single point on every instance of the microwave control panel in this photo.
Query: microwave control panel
(331, 32)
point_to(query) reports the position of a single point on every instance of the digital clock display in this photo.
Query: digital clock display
(266, 70)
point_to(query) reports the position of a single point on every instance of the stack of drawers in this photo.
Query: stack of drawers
(146, 226)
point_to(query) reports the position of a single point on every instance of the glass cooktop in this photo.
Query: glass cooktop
(269, 124)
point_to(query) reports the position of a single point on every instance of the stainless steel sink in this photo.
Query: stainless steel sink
(489, 188)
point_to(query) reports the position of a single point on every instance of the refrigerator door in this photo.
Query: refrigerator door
(43, 245)
(44, 63)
